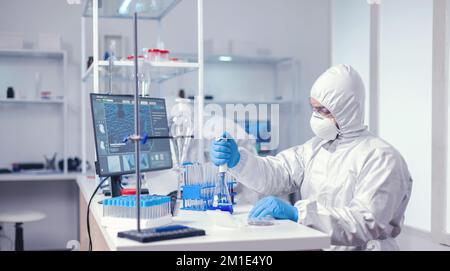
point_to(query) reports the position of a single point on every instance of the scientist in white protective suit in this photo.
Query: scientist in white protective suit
(354, 186)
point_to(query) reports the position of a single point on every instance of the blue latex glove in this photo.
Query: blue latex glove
(222, 151)
(275, 207)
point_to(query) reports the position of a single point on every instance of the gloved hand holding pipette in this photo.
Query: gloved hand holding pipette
(224, 151)
(222, 199)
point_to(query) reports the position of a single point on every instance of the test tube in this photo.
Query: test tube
(116, 207)
(193, 181)
(122, 207)
(125, 207)
(155, 207)
(146, 208)
(151, 208)
(197, 173)
(193, 173)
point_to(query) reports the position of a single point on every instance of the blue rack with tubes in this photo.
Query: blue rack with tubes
(199, 183)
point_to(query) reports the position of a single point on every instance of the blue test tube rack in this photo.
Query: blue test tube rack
(152, 206)
(200, 197)
(198, 187)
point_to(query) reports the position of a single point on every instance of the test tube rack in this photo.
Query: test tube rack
(120, 212)
(200, 197)
(199, 183)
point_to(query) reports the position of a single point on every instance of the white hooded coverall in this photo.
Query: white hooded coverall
(354, 188)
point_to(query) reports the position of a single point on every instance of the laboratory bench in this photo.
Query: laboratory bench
(283, 235)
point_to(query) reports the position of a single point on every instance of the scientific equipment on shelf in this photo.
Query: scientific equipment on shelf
(37, 85)
(200, 182)
(163, 55)
(46, 94)
(157, 55)
(121, 211)
(73, 164)
(144, 75)
(50, 162)
(111, 57)
(27, 166)
(153, 54)
(10, 93)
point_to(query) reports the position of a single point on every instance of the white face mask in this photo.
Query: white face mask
(324, 128)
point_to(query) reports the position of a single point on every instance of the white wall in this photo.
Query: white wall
(405, 95)
(351, 39)
(405, 82)
(448, 147)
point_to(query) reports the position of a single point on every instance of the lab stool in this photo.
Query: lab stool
(18, 218)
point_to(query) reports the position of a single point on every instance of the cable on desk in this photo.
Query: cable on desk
(89, 207)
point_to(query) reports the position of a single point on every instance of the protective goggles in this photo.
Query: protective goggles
(321, 110)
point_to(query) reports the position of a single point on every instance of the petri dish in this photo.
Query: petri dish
(261, 221)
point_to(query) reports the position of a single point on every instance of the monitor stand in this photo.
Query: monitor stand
(116, 187)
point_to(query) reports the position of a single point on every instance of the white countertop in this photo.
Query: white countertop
(283, 235)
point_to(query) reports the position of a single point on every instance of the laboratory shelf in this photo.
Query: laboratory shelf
(124, 9)
(58, 57)
(97, 78)
(31, 53)
(160, 64)
(236, 59)
(38, 177)
(160, 71)
(19, 101)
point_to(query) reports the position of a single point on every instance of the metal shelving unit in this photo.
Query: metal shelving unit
(154, 10)
(289, 101)
(273, 62)
(162, 71)
(120, 9)
(18, 101)
(32, 53)
(238, 59)
(62, 103)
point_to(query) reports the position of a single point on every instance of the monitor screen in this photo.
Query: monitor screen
(113, 119)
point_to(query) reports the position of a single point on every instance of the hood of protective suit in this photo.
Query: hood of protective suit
(341, 90)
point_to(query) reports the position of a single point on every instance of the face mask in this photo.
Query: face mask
(324, 128)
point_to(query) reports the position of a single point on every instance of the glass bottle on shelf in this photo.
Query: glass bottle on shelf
(144, 69)
(37, 86)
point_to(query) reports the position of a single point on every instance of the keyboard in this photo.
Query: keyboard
(161, 233)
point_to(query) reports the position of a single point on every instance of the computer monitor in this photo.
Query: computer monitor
(113, 119)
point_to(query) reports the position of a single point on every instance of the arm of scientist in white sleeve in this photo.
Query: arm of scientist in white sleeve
(273, 175)
(377, 209)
